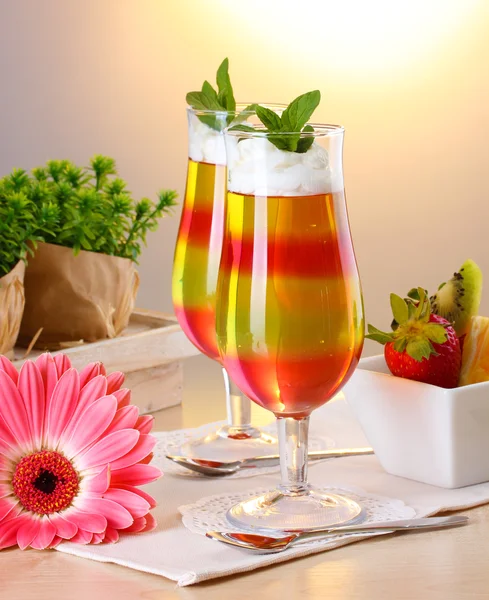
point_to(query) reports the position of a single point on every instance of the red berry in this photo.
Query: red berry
(442, 369)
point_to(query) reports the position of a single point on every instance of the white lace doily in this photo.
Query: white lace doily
(169, 442)
(209, 514)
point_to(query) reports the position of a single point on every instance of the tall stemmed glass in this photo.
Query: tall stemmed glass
(289, 310)
(195, 272)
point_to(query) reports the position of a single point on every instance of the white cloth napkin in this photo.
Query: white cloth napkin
(175, 552)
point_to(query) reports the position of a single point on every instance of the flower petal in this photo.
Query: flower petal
(64, 528)
(8, 367)
(31, 389)
(28, 531)
(145, 423)
(138, 525)
(151, 523)
(111, 536)
(10, 450)
(61, 406)
(6, 465)
(18, 510)
(63, 363)
(13, 411)
(135, 475)
(98, 538)
(56, 540)
(135, 490)
(5, 476)
(7, 505)
(47, 368)
(5, 490)
(8, 532)
(125, 418)
(147, 460)
(143, 524)
(123, 397)
(117, 516)
(89, 372)
(82, 537)
(114, 381)
(136, 505)
(98, 484)
(145, 445)
(108, 449)
(6, 434)
(45, 536)
(93, 391)
(91, 424)
(96, 388)
(85, 520)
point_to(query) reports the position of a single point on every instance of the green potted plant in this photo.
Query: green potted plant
(19, 232)
(81, 282)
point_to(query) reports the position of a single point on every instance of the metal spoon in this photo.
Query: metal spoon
(266, 544)
(216, 468)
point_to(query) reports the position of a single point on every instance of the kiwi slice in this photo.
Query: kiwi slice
(458, 299)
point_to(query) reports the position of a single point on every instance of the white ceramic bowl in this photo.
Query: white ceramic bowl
(420, 431)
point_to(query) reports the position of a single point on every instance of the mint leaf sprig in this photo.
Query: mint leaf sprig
(221, 99)
(293, 119)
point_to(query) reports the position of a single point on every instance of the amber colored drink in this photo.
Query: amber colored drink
(290, 322)
(197, 255)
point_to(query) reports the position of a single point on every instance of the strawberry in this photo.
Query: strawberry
(423, 347)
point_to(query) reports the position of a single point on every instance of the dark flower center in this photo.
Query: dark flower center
(45, 482)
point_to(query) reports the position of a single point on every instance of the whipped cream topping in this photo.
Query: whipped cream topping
(205, 144)
(256, 166)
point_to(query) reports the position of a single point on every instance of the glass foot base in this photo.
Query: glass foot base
(309, 511)
(231, 443)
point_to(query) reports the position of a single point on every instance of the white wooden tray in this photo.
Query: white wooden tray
(150, 352)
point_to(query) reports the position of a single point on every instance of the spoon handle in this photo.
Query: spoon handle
(389, 526)
(273, 459)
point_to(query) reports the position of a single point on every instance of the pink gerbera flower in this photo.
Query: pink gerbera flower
(72, 451)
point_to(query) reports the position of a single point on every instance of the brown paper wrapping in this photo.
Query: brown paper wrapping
(75, 299)
(11, 306)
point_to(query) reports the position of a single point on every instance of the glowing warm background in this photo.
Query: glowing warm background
(408, 80)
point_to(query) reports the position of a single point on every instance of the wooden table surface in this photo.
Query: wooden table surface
(444, 564)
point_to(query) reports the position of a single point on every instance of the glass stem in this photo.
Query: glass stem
(238, 406)
(293, 438)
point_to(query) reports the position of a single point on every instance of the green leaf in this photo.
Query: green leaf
(379, 336)
(210, 99)
(209, 96)
(293, 120)
(419, 349)
(305, 143)
(226, 95)
(299, 111)
(399, 309)
(222, 77)
(269, 118)
(212, 121)
(412, 310)
(196, 100)
(244, 114)
(435, 332)
(240, 127)
(285, 142)
(414, 293)
(400, 344)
